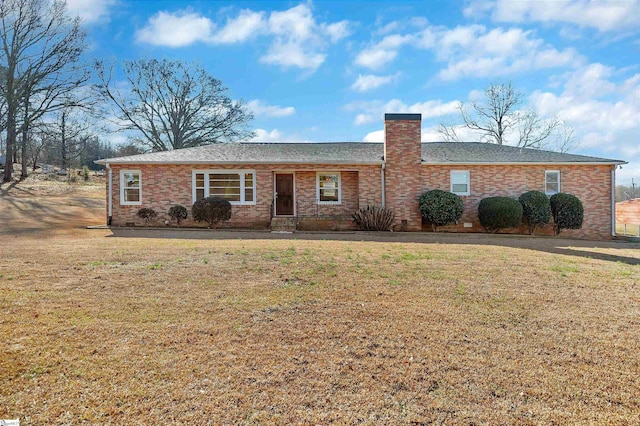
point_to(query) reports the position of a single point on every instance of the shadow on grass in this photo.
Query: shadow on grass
(563, 246)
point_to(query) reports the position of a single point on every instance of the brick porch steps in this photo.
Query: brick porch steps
(284, 224)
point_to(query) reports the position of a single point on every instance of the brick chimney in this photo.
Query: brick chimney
(403, 156)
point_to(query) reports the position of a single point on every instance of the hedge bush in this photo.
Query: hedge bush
(178, 213)
(496, 213)
(211, 210)
(441, 208)
(536, 209)
(567, 211)
(373, 218)
(147, 214)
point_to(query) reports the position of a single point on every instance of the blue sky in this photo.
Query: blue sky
(329, 70)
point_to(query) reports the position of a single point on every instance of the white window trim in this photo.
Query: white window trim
(339, 188)
(241, 172)
(123, 187)
(545, 182)
(468, 181)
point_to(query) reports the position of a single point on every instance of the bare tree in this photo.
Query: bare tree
(70, 128)
(41, 46)
(38, 143)
(173, 105)
(497, 118)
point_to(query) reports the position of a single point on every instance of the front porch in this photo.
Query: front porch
(316, 199)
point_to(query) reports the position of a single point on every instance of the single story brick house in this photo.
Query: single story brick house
(320, 185)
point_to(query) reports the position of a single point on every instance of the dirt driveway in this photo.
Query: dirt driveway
(40, 208)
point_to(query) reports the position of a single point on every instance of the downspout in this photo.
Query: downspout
(613, 201)
(110, 195)
(383, 185)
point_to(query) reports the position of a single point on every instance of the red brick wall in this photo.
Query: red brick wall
(403, 153)
(167, 185)
(628, 212)
(591, 184)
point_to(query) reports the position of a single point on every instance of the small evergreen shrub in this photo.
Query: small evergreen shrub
(440, 208)
(536, 209)
(178, 213)
(147, 214)
(496, 213)
(85, 173)
(211, 210)
(567, 211)
(373, 218)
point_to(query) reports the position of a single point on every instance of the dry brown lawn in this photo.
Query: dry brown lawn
(211, 327)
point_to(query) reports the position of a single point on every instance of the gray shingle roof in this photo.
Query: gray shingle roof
(478, 152)
(350, 153)
(271, 153)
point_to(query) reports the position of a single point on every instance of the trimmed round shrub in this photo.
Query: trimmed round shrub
(496, 213)
(373, 218)
(147, 214)
(440, 208)
(536, 209)
(567, 212)
(178, 213)
(212, 210)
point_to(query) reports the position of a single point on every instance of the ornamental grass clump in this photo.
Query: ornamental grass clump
(567, 212)
(147, 214)
(440, 208)
(178, 213)
(536, 209)
(496, 213)
(373, 218)
(212, 210)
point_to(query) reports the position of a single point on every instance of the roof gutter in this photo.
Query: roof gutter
(524, 163)
(110, 193)
(358, 163)
(613, 202)
(383, 185)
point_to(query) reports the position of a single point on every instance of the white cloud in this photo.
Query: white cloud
(369, 82)
(376, 136)
(605, 113)
(292, 55)
(375, 58)
(373, 111)
(248, 24)
(429, 134)
(263, 135)
(383, 52)
(177, 29)
(388, 28)
(90, 11)
(604, 16)
(259, 108)
(336, 31)
(473, 50)
(297, 39)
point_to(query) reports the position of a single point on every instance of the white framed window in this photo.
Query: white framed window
(130, 187)
(236, 186)
(460, 182)
(551, 182)
(328, 188)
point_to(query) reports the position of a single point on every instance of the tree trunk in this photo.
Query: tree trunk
(25, 136)
(24, 153)
(63, 141)
(11, 140)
